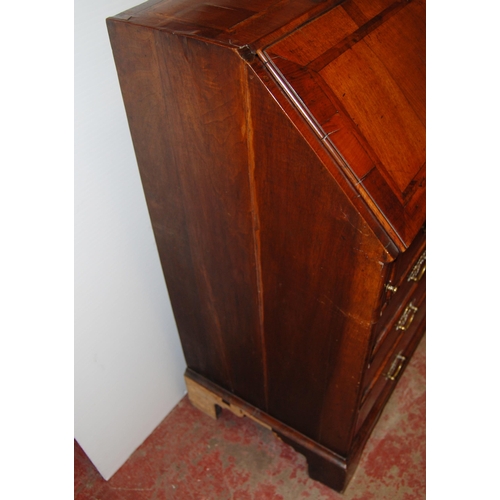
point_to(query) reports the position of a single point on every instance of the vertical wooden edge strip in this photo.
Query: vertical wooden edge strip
(255, 222)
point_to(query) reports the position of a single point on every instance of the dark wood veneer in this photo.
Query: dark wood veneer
(281, 149)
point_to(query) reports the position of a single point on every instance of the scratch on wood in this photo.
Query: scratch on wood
(185, 33)
(354, 318)
(346, 218)
(331, 133)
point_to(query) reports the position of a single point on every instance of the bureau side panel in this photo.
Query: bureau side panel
(322, 271)
(184, 105)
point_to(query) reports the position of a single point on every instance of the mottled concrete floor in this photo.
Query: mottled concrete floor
(192, 457)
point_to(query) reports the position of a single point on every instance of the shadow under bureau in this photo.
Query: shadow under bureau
(281, 147)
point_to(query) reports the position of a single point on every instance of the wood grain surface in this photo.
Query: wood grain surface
(281, 146)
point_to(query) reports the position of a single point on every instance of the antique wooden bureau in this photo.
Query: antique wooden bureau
(281, 146)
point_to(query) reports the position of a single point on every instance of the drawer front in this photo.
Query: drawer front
(394, 364)
(406, 261)
(406, 270)
(402, 316)
(403, 325)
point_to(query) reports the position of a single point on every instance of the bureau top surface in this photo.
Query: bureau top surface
(354, 68)
(231, 22)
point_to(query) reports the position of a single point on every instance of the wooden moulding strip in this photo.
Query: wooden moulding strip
(204, 395)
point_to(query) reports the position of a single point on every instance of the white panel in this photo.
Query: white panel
(128, 359)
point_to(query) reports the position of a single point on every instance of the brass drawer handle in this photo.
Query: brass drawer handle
(418, 269)
(396, 367)
(407, 317)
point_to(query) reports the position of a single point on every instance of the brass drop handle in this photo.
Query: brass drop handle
(391, 288)
(407, 317)
(396, 367)
(418, 269)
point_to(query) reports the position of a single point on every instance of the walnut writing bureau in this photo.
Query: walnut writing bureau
(281, 146)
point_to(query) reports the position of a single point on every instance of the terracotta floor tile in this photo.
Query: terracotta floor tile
(192, 457)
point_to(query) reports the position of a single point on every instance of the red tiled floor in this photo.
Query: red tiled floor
(192, 457)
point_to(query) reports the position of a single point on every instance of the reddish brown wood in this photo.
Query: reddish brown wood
(237, 24)
(306, 223)
(189, 136)
(281, 207)
(372, 71)
(390, 333)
